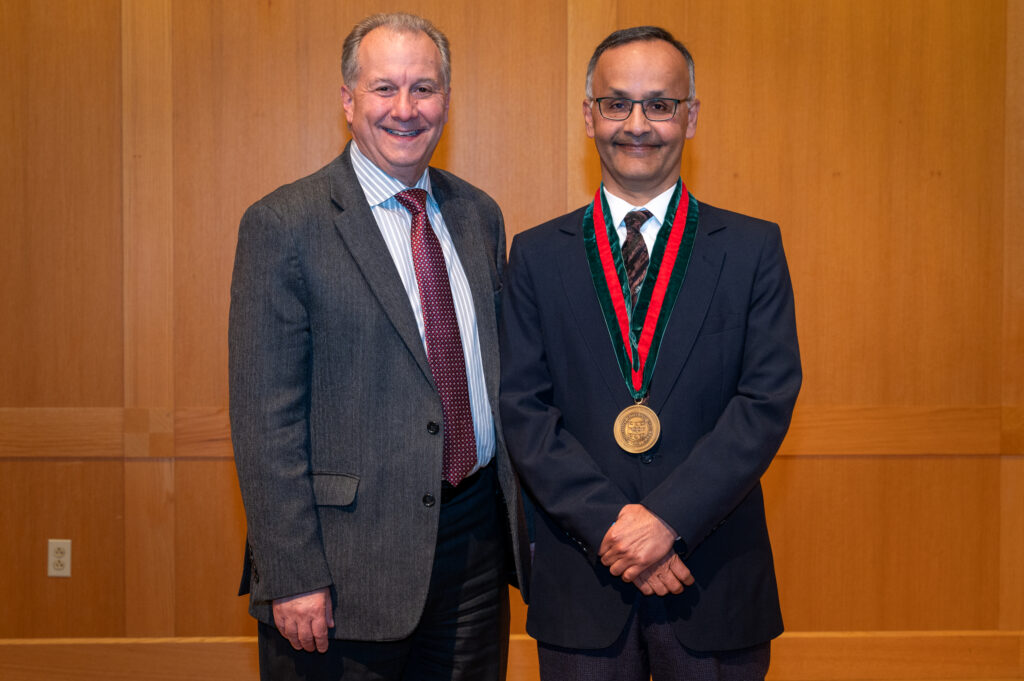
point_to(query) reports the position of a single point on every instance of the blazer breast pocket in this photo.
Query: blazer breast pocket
(335, 489)
(719, 323)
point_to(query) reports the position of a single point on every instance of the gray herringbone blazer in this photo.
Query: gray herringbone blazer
(331, 396)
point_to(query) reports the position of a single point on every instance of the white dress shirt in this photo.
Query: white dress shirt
(657, 206)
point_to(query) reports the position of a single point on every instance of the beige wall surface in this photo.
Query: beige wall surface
(884, 137)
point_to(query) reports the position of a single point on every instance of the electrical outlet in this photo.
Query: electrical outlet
(58, 558)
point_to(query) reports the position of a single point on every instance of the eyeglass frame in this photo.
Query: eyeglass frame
(642, 102)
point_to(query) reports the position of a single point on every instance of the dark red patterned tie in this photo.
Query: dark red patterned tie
(634, 251)
(444, 345)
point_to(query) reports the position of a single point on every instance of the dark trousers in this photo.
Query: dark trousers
(648, 649)
(463, 632)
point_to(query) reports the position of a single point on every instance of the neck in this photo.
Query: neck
(636, 196)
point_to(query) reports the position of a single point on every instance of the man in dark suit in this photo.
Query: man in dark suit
(379, 497)
(649, 371)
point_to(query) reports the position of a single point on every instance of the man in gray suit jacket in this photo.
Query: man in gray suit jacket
(364, 372)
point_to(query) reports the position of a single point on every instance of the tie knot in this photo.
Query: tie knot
(414, 200)
(635, 218)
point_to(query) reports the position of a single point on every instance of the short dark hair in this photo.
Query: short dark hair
(635, 34)
(400, 22)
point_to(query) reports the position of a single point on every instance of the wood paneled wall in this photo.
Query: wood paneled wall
(885, 138)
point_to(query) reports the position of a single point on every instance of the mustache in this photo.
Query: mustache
(649, 137)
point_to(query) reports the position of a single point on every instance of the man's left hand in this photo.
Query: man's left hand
(667, 576)
(636, 541)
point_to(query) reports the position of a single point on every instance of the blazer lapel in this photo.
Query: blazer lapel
(581, 301)
(461, 220)
(358, 229)
(691, 307)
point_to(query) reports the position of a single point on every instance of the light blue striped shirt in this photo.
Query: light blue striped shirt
(395, 225)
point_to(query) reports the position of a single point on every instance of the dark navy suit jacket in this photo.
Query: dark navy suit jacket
(724, 389)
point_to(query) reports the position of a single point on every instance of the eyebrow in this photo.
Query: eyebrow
(651, 94)
(381, 80)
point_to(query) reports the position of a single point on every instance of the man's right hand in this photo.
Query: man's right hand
(636, 541)
(304, 619)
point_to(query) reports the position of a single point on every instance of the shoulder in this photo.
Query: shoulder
(752, 243)
(713, 218)
(305, 196)
(448, 187)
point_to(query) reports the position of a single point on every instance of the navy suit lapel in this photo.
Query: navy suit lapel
(358, 229)
(691, 307)
(687, 317)
(582, 304)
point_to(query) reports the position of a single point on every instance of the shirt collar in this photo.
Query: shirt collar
(658, 206)
(377, 185)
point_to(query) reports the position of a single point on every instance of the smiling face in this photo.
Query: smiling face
(640, 158)
(398, 105)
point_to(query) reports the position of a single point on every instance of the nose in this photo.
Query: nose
(404, 107)
(637, 122)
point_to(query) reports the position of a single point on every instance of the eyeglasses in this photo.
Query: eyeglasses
(620, 108)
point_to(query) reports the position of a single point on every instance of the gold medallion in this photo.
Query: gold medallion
(637, 428)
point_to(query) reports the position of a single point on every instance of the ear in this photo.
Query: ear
(691, 119)
(347, 103)
(447, 103)
(588, 117)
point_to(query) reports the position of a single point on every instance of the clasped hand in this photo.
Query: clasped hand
(638, 548)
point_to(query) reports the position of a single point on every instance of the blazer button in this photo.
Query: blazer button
(646, 458)
(428, 500)
(433, 428)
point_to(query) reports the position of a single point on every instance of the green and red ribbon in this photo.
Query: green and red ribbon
(643, 325)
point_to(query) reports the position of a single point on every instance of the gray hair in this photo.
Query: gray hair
(635, 34)
(399, 22)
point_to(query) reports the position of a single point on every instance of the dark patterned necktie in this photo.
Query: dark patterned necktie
(634, 251)
(444, 345)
